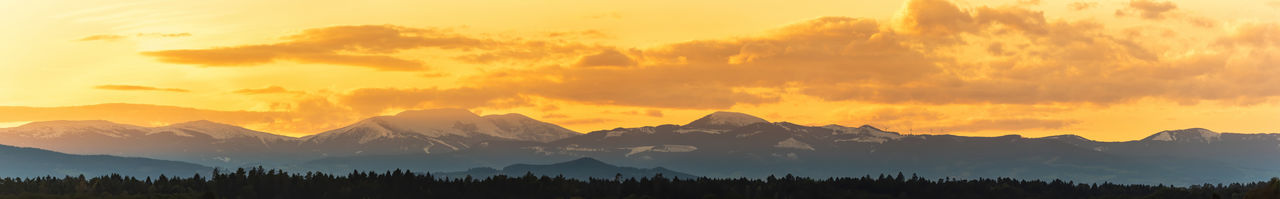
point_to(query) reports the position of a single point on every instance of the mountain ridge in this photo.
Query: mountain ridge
(696, 123)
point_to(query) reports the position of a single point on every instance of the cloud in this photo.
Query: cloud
(1078, 6)
(182, 34)
(653, 113)
(138, 88)
(933, 52)
(377, 100)
(924, 57)
(587, 34)
(103, 37)
(1253, 35)
(1150, 9)
(267, 90)
(374, 46)
(115, 37)
(934, 18)
(584, 121)
(554, 116)
(606, 58)
(1016, 124)
(364, 46)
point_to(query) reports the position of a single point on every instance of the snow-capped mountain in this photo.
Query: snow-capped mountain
(217, 131)
(66, 128)
(430, 131)
(724, 120)
(1195, 135)
(203, 142)
(524, 128)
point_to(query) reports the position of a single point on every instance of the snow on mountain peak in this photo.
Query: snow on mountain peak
(59, 128)
(216, 130)
(431, 123)
(1186, 135)
(436, 123)
(864, 130)
(721, 119)
(526, 128)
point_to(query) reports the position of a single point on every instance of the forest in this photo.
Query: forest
(263, 183)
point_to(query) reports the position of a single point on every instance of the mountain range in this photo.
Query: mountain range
(721, 144)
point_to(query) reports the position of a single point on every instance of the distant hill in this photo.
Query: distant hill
(32, 162)
(583, 168)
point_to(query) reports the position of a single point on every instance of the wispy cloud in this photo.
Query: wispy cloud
(116, 37)
(267, 90)
(103, 37)
(373, 46)
(138, 88)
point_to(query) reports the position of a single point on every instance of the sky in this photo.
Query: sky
(1105, 70)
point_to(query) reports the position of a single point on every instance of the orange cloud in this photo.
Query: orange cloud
(114, 37)
(606, 58)
(183, 34)
(848, 59)
(933, 53)
(1150, 9)
(364, 46)
(1078, 6)
(1005, 125)
(103, 37)
(138, 88)
(377, 100)
(372, 46)
(584, 121)
(267, 90)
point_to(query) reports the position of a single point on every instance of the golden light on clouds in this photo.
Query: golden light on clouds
(1106, 70)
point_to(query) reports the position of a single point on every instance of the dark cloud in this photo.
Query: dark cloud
(138, 88)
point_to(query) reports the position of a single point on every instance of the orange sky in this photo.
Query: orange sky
(1106, 70)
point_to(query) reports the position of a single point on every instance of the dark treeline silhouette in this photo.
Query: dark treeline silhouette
(261, 183)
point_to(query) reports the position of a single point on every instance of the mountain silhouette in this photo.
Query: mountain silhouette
(32, 162)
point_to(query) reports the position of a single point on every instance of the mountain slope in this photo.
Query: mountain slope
(32, 162)
(582, 168)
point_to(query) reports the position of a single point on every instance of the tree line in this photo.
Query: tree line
(264, 183)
